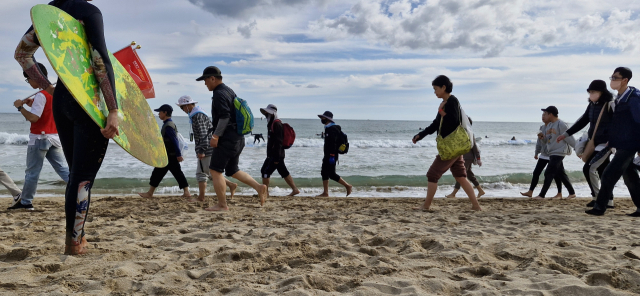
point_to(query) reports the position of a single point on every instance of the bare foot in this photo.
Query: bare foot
(262, 194)
(294, 193)
(571, 196)
(476, 209)
(186, 196)
(233, 188)
(323, 195)
(77, 250)
(217, 208)
(539, 197)
(557, 197)
(421, 208)
(528, 193)
(450, 196)
(349, 189)
(480, 193)
(196, 199)
(146, 195)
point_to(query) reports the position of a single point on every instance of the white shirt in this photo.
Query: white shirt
(636, 161)
(39, 101)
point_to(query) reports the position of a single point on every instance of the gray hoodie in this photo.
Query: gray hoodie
(551, 133)
(540, 148)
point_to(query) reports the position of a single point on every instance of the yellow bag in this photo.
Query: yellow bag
(455, 144)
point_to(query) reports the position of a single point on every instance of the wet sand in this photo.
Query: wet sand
(324, 246)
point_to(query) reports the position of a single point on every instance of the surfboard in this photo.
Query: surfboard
(64, 42)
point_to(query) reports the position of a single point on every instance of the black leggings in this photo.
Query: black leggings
(542, 163)
(555, 169)
(84, 148)
(174, 166)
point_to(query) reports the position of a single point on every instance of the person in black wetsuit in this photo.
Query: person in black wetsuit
(330, 159)
(84, 143)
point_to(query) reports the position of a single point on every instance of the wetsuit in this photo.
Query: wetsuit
(83, 144)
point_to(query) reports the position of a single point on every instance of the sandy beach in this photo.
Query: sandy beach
(323, 246)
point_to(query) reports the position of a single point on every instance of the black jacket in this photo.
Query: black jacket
(275, 137)
(331, 140)
(590, 117)
(450, 122)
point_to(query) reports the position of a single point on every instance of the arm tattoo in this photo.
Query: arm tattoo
(100, 70)
(24, 55)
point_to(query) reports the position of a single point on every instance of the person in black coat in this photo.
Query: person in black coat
(330, 159)
(599, 103)
(275, 150)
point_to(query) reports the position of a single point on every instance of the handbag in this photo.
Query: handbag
(455, 144)
(591, 147)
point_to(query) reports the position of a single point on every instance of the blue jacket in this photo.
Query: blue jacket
(624, 133)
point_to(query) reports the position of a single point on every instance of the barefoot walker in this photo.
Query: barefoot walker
(201, 134)
(335, 143)
(228, 138)
(275, 149)
(453, 141)
(169, 133)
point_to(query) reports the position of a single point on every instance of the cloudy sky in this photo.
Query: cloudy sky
(365, 59)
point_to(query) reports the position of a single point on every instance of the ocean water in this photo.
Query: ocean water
(382, 161)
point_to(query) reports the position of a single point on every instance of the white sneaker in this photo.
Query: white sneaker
(16, 199)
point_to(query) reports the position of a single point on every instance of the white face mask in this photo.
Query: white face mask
(594, 96)
(615, 84)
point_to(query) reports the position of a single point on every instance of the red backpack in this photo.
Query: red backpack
(289, 134)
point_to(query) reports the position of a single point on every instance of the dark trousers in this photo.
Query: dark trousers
(620, 166)
(542, 163)
(270, 166)
(174, 167)
(329, 170)
(555, 168)
(84, 148)
(470, 175)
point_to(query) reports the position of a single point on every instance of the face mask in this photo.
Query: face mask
(594, 97)
(615, 84)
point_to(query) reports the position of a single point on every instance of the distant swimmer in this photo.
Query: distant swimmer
(321, 135)
(486, 137)
(513, 139)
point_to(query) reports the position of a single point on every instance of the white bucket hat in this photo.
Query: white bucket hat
(271, 109)
(185, 100)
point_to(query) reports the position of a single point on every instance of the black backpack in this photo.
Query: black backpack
(342, 143)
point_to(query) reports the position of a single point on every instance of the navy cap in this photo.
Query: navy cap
(551, 109)
(165, 107)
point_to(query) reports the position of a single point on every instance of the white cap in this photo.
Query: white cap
(185, 100)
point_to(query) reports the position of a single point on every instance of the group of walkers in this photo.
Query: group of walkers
(614, 128)
(58, 121)
(218, 147)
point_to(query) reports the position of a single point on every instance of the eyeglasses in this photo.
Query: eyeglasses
(614, 78)
(26, 80)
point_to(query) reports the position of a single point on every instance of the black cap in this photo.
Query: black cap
(598, 85)
(208, 72)
(327, 115)
(551, 109)
(166, 108)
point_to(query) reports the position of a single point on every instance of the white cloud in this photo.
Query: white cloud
(487, 27)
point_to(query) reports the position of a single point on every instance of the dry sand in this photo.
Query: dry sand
(324, 246)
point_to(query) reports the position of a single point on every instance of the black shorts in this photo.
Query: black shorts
(226, 156)
(269, 167)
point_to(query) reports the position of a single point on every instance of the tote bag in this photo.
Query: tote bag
(455, 144)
